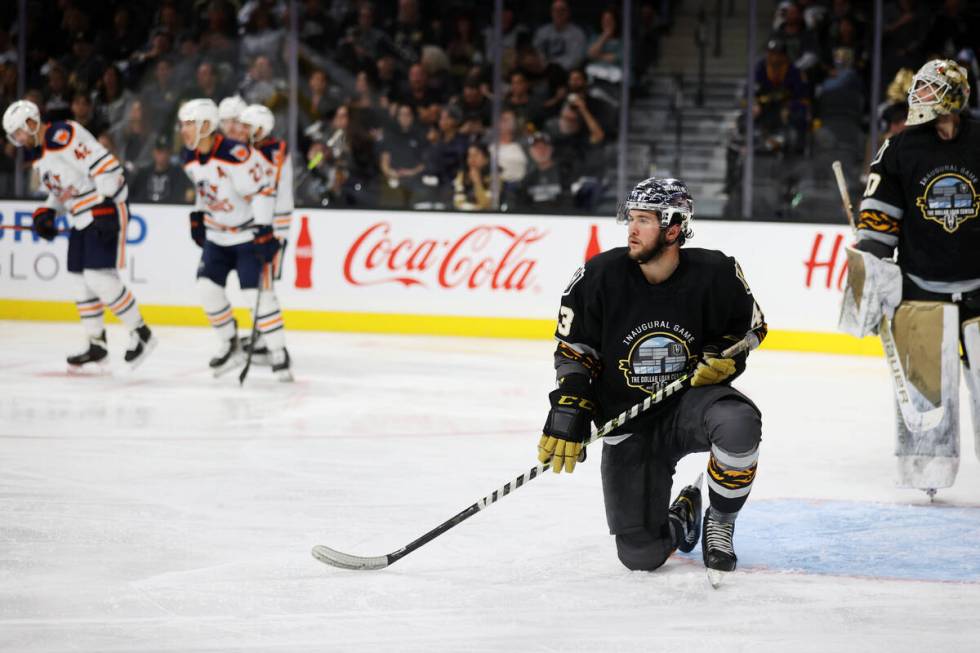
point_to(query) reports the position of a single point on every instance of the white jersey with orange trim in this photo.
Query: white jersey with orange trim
(77, 172)
(232, 187)
(280, 169)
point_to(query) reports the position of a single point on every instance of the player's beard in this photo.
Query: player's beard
(654, 251)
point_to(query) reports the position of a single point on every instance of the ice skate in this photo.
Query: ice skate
(141, 343)
(95, 358)
(281, 365)
(261, 354)
(717, 547)
(685, 516)
(228, 357)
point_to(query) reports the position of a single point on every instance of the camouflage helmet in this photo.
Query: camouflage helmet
(668, 197)
(939, 88)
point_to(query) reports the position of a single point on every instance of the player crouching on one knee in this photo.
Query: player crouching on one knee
(922, 203)
(631, 321)
(232, 223)
(86, 183)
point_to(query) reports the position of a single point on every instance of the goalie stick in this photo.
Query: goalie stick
(343, 560)
(915, 420)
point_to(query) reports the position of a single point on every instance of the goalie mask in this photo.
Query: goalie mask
(668, 197)
(939, 88)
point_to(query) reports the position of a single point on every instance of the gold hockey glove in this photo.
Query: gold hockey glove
(568, 424)
(712, 369)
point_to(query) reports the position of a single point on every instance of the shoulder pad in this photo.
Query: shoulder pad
(60, 134)
(270, 150)
(232, 151)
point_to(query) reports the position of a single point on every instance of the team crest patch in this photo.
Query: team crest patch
(655, 360)
(62, 137)
(950, 200)
(240, 152)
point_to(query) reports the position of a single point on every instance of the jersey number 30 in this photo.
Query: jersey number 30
(565, 317)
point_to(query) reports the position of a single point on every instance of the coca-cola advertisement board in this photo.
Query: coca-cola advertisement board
(471, 265)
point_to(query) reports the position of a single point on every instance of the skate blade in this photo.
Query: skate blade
(716, 577)
(285, 376)
(100, 368)
(148, 348)
(233, 363)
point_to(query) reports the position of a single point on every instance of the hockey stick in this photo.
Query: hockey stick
(347, 561)
(915, 420)
(25, 227)
(255, 328)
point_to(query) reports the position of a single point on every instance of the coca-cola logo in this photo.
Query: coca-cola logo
(486, 256)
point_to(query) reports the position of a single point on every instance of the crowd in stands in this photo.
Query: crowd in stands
(394, 97)
(811, 100)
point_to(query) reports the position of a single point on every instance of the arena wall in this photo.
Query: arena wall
(497, 275)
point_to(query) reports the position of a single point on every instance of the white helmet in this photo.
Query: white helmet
(257, 117)
(16, 117)
(231, 108)
(200, 111)
(939, 88)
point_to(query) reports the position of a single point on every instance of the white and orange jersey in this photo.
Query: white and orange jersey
(280, 169)
(232, 187)
(77, 172)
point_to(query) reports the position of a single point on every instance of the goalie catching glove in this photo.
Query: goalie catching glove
(569, 423)
(712, 369)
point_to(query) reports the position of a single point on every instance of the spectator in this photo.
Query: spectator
(511, 158)
(577, 137)
(322, 99)
(472, 184)
(262, 37)
(57, 94)
(527, 110)
(476, 109)
(905, 27)
(464, 48)
(408, 32)
(387, 82)
(159, 98)
(134, 138)
(83, 112)
(218, 37)
(317, 29)
(514, 34)
(260, 85)
(649, 28)
(161, 181)
(802, 45)
(418, 93)
(561, 41)
(364, 43)
(840, 108)
(597, 102)
(369, 102)
(781, 107)
(402, 159)
(606, 51)
(112, 97)
(449, 149)
(85, 64)
(122, 40)
(544, 189)
(205, 84)
(351, 158)
(188, 57)
(145, 61)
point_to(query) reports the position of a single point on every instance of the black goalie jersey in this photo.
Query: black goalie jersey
(634, 337)
(922, 196)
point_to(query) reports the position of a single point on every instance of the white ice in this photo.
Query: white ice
(169, 511)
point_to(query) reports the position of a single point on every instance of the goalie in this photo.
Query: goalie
(915, 272)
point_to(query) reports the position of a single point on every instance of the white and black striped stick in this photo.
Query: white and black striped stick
(347, 561)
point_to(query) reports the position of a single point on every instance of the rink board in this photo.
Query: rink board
(497, 275)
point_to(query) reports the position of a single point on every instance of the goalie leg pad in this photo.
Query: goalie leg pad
(971, 370)
(927, 341)
(873, 290)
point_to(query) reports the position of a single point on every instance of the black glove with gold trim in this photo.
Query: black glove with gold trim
(569, 423)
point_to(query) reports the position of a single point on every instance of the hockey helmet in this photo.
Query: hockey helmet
(669, 197)
(16, 117)
(940, 87)
(257, 117)
(200, 111)
(231, 108)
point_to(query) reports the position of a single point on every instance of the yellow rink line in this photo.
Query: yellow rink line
(441, 325)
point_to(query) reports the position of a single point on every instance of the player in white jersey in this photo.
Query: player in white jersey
(85, 182)
(257, 122)
(232, 223)
(229, 111)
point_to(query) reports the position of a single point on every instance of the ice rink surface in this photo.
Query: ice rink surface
(169, 511)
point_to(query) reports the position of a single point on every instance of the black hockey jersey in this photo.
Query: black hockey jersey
(636, 337)
(923, 196)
